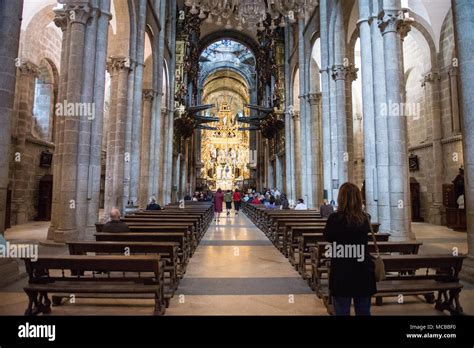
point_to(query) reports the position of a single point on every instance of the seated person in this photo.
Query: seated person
(255, 200)
(326, 209)
(153, 205)
(301, 205)
(115, 225)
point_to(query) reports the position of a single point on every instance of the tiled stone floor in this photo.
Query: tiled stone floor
(235, 271)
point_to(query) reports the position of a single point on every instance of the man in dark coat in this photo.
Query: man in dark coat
(115, 225)
(153, 205)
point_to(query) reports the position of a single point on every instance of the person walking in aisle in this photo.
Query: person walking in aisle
(218, 199)
(228, 201)
(351, 277)
(237, 198)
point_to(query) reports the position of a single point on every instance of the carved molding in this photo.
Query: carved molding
(394, 21)
(118, 63)
(341, 72)
(28, 68)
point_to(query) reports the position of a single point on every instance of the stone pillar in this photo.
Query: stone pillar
(316, 173)
(97, 126)
(148, 96)
(431, 82)
(10, 24)
(25, 90)
(394, 28)
(169, 122)
(341, 74)
(160, 175)
(137, 104)
(453, 79)
(85, 176)
(298, 155)
(464, 24)
(325, 102)
(290, 183)
(368, 109)
(78, 16)
(119, 69)
(382, 194)
(305, 160)
(61, 21)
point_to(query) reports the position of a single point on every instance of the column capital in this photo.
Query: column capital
(342, 72)
(118, 63)
(28, 68)
(429, 77)
(295, 115)
(314, 98)
(149, 94)
(395, 21)
(78, 12)
(60, 19)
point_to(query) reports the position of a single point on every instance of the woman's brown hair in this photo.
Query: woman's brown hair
(349, 203)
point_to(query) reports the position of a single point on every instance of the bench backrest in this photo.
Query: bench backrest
(76, 267)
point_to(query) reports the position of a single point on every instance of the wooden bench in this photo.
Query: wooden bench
(318, 261)
(168, 252)
(409, 275)
(183, 249)
(125, 276)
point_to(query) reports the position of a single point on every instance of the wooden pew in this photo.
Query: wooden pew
(168, 252)
(191, 238)
(183, 249)
(318, 262)
(409, 275)
(312, 235)
(126, 276)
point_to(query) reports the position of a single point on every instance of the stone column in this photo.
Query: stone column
(394, 28)
(325, 102)
(382, 194)
(137, 104)
(464, 24)
(298, 155)
(148, 96)
(453, 79)
(10, 24)
(119, 68)
(61, 21)
(431, 82)
(289, 132)
(97, 126)
(85, 176)
(305, 160)
(25, 90)
(316, 173)
(161, 179)
(368, 109)
(341, 74)
(78, 16)
(169, 122)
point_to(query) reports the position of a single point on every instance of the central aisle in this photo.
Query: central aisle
(236, 270)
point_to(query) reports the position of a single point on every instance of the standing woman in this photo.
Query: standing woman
(228, 201)
(351, 277)
(218, 199)
(237, 198)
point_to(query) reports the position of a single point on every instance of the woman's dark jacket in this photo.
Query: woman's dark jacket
(349, 277)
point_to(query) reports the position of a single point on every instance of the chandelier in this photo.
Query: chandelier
(251, 13)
